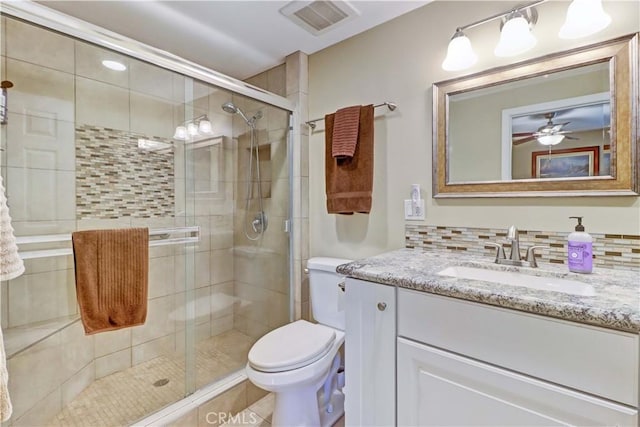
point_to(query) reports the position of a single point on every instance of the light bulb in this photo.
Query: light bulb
(550, 139)
(204, 127)
(192, 129)
(181, 133)
(584, 17)
(460, 54)
(515, 37)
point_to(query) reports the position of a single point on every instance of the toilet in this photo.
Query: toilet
(299, 362)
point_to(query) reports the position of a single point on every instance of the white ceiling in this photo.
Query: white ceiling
(236, 37)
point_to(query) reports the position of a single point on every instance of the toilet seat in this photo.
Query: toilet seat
(291, 347)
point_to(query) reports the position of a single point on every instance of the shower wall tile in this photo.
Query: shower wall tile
(89, 64)
(161, 315)
(39, 46)
(116, 179)
(221, 122)
(40, 142)
(153, 80)
(202, 269)
(222, 301)
(41, 296)
(42, 412)
(222, 266)
(253, 302)
(161, 276)
(112, 363)
(77, 383)
(200, 99)
(41, 194)
(101, 104)
(277, 80)
(112, 341)
(255, 329)
(152, 349)
(151, 116)
(278, 305)
(40, 91)
(34, 374)
(78, 350)
(203, 305)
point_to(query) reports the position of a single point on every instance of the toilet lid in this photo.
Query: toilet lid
(291, 346)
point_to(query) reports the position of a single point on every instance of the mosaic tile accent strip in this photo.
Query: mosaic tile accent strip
(115, 179)
(616, 251)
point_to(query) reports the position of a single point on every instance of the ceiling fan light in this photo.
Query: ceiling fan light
(550, 139)
(515, 37)
(460, 54)
(584, 17)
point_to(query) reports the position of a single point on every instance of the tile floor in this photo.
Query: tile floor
(259, 415)
(123, 397)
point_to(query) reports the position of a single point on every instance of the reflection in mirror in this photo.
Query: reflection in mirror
(564, 124)
(505, 124)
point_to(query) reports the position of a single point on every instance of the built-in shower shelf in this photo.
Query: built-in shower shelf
(21, 338)
(157, 237)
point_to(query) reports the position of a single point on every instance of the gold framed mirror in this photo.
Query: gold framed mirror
(565, 124)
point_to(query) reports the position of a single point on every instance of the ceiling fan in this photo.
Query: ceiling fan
(549, 134)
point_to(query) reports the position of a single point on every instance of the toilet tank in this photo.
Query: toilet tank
(327, 299)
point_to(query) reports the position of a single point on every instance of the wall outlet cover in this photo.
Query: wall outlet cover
(414, 212)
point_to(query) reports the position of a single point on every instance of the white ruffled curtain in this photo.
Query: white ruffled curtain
(11, 266)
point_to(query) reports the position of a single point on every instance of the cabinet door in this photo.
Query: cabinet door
(436, 387)
(370, 354)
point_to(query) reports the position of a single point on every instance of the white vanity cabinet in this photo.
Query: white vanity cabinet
(465, 363)
(370, 354)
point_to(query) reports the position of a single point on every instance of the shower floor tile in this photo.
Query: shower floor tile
(123, 397)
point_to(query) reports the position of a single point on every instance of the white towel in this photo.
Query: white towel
(5, 402)
(11, 266)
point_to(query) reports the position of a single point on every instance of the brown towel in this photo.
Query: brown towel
(345, 131)
(349, 182)
(111, 277)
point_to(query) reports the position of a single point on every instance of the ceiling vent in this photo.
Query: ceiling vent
(318, 17)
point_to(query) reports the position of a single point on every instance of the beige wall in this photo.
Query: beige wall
(399, 61)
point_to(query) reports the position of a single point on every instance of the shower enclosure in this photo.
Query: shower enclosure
(92, 144)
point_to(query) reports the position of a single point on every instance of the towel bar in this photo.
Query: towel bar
(191, 235)
(391, 105)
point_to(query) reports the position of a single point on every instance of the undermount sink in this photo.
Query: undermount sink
(556, 284)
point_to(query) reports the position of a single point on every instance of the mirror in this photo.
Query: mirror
(561, 125)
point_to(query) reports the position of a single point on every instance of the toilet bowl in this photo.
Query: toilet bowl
(300, 362)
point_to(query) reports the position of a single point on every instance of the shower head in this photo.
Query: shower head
(231, 108)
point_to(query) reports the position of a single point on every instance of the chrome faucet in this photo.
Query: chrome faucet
(514, 256)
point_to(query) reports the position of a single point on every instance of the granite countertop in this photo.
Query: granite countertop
(616, 304)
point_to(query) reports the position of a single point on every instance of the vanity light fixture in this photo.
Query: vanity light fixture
(194, 129)
(584, 17)
(114, 65)
(515, 37)
(460, 54)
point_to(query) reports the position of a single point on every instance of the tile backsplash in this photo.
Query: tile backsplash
(619, 251)
(115, 179)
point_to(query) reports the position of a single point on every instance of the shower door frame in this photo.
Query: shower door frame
(48, 18)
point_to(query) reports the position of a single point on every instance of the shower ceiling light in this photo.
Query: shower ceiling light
(194, 129)
(114, 65)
